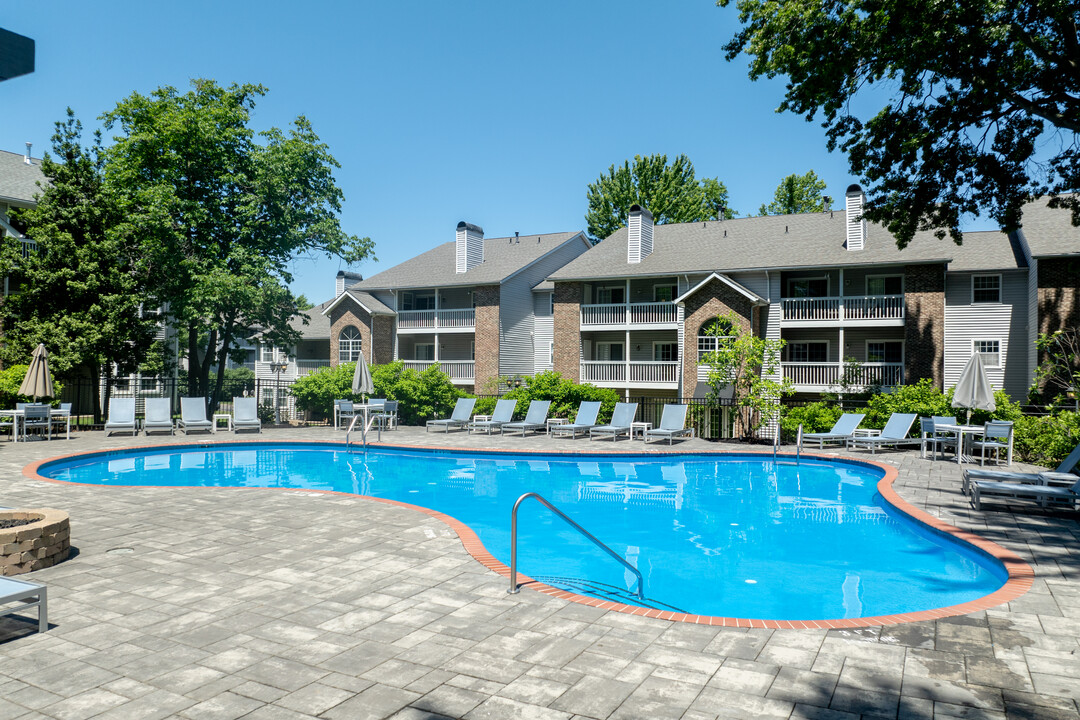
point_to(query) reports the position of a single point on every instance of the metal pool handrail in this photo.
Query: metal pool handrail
(363, 430)
(513, 543)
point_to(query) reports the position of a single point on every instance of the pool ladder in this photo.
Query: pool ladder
(798, 444)
(513, 543)
(364, 430)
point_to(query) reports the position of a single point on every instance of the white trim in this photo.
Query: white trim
(866, 286)
(903, 349)
(985, 275)
(1000, 353)
(666, 342)
(674, 290)
(752, 296)
(348, 294)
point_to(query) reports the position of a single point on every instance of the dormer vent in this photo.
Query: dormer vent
(856, 226)
(470, 246)
(640, 227)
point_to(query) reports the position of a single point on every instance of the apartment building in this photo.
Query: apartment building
(477, 307)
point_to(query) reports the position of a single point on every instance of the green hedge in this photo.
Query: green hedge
(10, 380)
(1046, 440)
(565, 396)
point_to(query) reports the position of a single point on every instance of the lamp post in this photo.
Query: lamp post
(277, 367)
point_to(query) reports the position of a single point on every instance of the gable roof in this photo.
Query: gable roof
(1049, 231)
(367, 301)
(19, 181)
(774, 242)
(503, 257)
(988, 250)
(748, 294)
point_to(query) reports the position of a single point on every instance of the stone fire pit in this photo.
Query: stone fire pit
(42, 542)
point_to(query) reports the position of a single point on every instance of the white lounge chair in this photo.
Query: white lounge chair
(584, 421)
(1058, 474)
(672, 424)
(193, 415)
(504, 413)
(158, 416)
(1041, 494)
(894, 434)
(121, 416)
(459, 418)
(535, 419)
(620, 422)
(841, 431)
(24, 595)
(245, 414)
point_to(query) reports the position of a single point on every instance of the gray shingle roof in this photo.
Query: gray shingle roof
(775, 241)
(988, 250)
(18, 181)
(437, 267)
(318, 326)
(1049, 231)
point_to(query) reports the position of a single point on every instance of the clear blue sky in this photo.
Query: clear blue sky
(497, 113)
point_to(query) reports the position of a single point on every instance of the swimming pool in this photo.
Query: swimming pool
(717, 535)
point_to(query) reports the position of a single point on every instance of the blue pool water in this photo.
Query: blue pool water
(734, 536)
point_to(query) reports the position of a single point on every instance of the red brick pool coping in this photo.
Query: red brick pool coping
(1019, 581)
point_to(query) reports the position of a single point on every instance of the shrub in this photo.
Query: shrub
(925, 400)
(10, 380)
(814, 417)
(1048, 439)
(565, 396)
(421, 395)
(315, 393)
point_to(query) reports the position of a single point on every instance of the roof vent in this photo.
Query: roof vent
(856, 226)
(640, 227)
(470, 246)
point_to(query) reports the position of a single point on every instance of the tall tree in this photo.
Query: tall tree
(78, 292)
(221, 212)
(796, 194)
(670, 192)
(978, 91)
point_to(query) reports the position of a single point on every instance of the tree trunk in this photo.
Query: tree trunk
(95, 391)
(222, 358)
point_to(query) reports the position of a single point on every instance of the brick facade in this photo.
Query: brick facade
(716, 298)
(924, 326)
(348, 312)
(567, 329)
(486, 365)
(1059, 294)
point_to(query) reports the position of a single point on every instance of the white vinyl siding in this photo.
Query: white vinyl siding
(544, 331)
(1005, 321)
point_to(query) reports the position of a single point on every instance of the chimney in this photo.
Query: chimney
(640, 228)
(470, 246)
(26, 157)
(856, 226)
(345, 279)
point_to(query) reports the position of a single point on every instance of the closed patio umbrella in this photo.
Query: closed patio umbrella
(362, 383)
(973, 391)
(38, 382)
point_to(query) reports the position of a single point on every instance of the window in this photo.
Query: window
(985, 288)
(418, 301)
(808, 352)
(610, 352)
(990, 351)
(884, 351)
(808, 287)
(350, 344)
(551, 354)
(551, 299)
(665, 352)
(664, 293)
(424, 351)
(611, 294)
(472, 350)
(711, 333)
(884, 284)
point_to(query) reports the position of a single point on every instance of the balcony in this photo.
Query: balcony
(639, 315)
(854, 310)
(455, 320)
(643, 374)
(460, 372)
(821, 377)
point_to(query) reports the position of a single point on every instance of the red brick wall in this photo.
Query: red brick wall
(486, 367)
(348, 313)
(716, 298)
(1059, 294)
(567, 329)
(924, 327)
(383, 340)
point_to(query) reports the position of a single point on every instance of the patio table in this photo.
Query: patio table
(964, 435)
(18, 417)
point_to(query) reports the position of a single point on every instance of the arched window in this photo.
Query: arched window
(711, 333)
(350, 344)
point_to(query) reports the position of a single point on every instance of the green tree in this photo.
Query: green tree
(978, 91)
(1058, 373)
(744, 368)
(670, 192)
(797, 194)
(221, 212)
(302, 303)
(78, 293)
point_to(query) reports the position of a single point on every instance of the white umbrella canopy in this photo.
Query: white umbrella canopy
(973, 390)
(362, 383)
(38, 382)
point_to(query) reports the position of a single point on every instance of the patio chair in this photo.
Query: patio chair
(121, 416)
(245, 414)
(386, 414)
(841, 431)
(894, 434)
(997, 436)
(620, 422)
(158, 416)
(504, 413)
(1041, 494)
(584, 421)
(459, 418)
(943, 438)
(193, 415)
(672, 424)
(37, 417)
(535, 418)
(62, 416)
(345, 411)
(1059, 474)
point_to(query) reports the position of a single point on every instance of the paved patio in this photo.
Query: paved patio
(270, 604)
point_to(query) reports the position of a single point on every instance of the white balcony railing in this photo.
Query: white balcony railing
(829, 374)
(653, 313)
(436, 319)
(644, 373)
(456, 369)
(849, 307)
(306, 367)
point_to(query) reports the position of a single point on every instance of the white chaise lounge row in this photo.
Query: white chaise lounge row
(158, 416)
